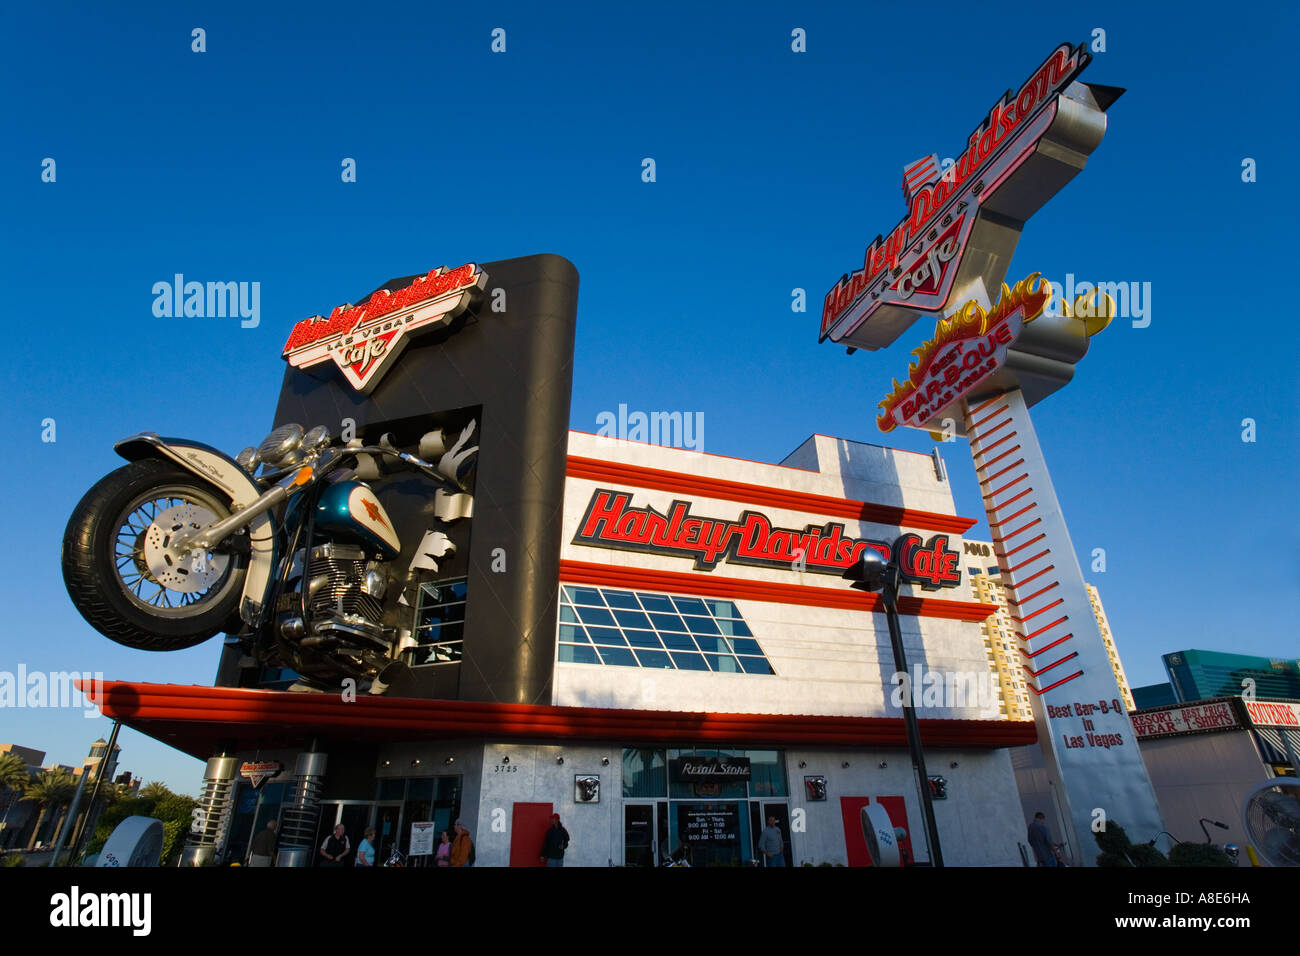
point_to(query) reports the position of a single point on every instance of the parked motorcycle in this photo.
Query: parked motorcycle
(286, 543)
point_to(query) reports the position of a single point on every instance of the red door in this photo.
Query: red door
(528, 832)
(854, 842)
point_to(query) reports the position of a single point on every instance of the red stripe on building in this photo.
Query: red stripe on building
(726, 490)
(711, 585)
(202, 720)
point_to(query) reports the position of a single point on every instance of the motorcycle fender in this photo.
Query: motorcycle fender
(219, 469)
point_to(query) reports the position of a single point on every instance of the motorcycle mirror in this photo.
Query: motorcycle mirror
(433, 444)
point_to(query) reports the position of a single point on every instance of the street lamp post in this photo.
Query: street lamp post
(871, 573)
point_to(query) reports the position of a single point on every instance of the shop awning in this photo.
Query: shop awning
(202, 721)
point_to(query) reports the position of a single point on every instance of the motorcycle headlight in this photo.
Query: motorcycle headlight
(277, 447)
(318, 437)
(248, 459)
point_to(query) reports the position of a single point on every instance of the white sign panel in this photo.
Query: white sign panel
(1273, 713)
(422, 835)
(1185, 720)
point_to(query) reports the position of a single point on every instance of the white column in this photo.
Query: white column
(1085, 734)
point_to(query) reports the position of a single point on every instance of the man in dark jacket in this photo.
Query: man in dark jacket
(335, 847)
(1040, 840)
(262, 852)
(556, 842)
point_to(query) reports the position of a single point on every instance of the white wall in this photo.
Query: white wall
(827, 661)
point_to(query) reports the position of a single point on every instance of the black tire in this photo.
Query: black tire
(92, 556)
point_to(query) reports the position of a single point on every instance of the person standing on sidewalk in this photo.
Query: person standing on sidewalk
(771, 844)
(556, 842)
(1040, 840)
(262, 852)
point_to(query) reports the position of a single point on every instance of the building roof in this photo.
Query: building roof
(202, 721)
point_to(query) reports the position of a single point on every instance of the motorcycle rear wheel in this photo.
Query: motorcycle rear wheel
(105, 566)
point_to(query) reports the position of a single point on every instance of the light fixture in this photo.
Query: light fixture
(450, 760)
(415, 762)
(845, 765)
(388, 763)
(604, 761)
(953, 765)
(560, 759)
(505, 759)
(803, 764)
(884, 764)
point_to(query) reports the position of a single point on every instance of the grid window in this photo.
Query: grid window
(440, 623)
(639, 629)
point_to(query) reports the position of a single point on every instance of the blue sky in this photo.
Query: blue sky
(774, 170)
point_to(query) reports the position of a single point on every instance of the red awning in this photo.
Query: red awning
(202, 721)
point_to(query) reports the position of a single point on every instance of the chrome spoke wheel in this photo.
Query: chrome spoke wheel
(152, 573)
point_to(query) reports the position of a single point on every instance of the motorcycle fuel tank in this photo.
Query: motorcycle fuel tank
(350, 511)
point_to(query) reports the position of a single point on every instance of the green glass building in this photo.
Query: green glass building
(1201, 675)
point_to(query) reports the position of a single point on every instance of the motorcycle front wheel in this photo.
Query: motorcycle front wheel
(119, 574)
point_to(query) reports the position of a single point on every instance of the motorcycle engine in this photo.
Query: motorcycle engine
(344, 604)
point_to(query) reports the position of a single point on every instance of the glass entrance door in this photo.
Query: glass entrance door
(639, 834)
(645, 833)
(713, 833)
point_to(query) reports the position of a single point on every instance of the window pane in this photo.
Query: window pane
(656, 602)
(755, 665)
(390, 788)
(690, 605)
(738, 628)
(573, 654)
(632, 619)
(606, 635)
(767, 773)
(618, 655)
(643, 639)
(701, 625)
(645, 773)
(690, 662)
(678, 642)
(654, 659)
(723, 608)
(568, 615)
(744, 645)
(713, 645)
(586, 596)
(667, 622)
(624, 599)
(723, 664)
(596, 615)
(572, 632)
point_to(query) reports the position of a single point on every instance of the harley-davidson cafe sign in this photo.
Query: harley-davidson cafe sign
(364, 341)
(611, 521)
(914, 267)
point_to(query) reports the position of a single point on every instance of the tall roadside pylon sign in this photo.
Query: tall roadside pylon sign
(996, 351)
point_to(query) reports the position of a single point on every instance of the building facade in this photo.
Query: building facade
(655, 643)
(1202, 675)
(1000, 641)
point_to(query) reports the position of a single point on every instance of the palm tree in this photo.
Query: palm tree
(50, 789)
(155, 790)
(14, 778)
